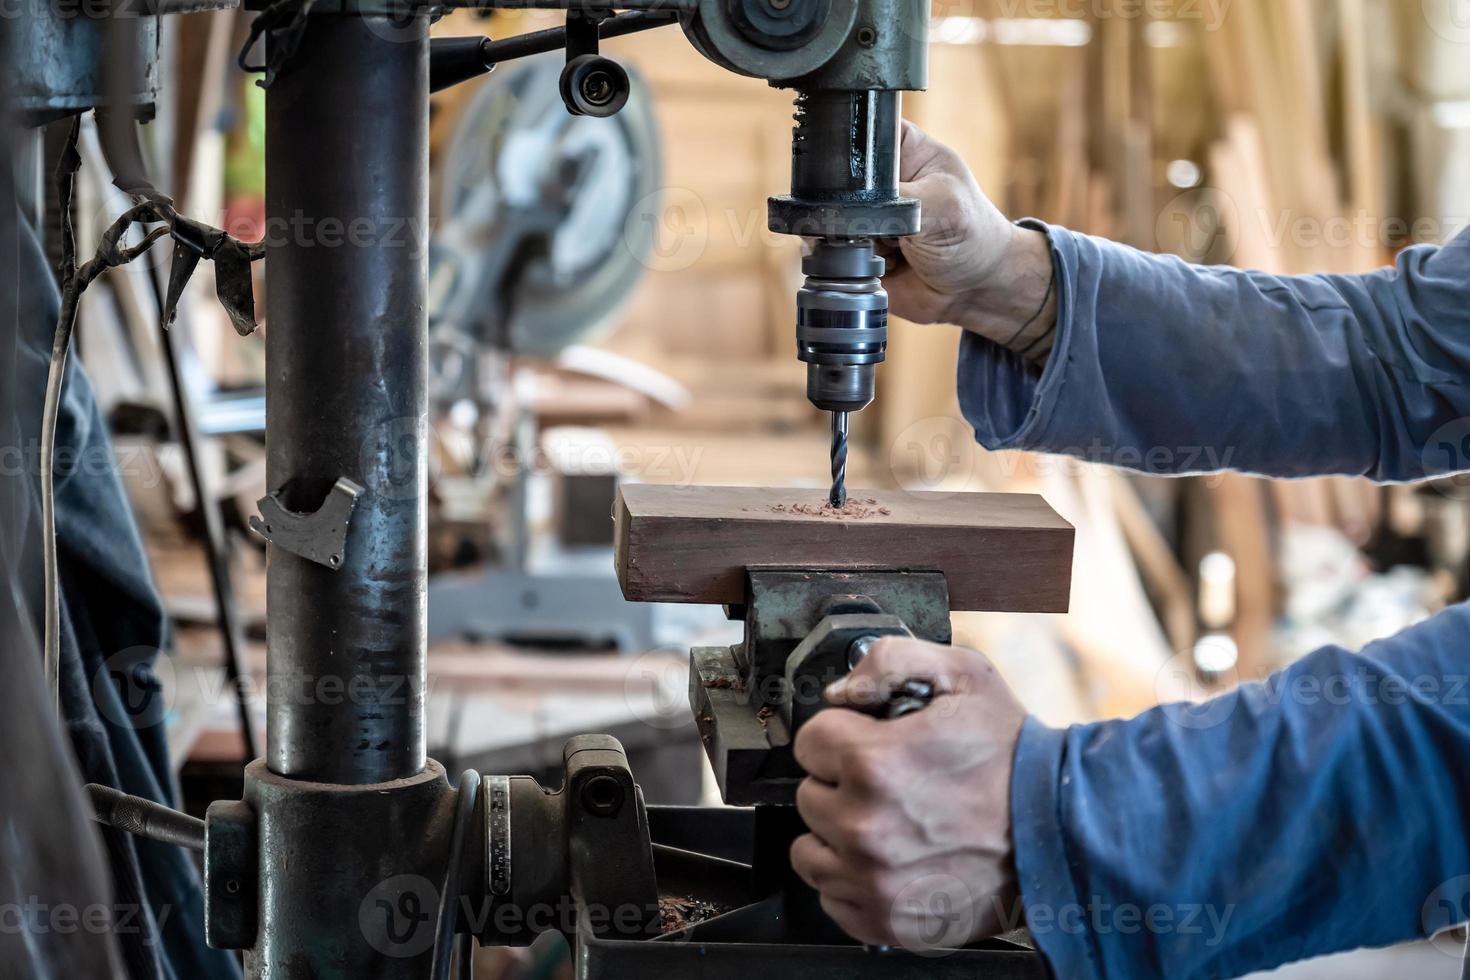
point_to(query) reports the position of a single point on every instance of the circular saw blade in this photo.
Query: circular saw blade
(547, 219)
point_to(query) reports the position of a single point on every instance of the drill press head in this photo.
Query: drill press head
(848, 61)
(844, 193)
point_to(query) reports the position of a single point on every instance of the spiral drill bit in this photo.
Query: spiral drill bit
(838, 497)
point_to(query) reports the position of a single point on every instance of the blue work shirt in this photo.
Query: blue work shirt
(1322, 810)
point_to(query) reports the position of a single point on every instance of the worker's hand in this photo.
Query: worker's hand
(969, 266)
(910, 839)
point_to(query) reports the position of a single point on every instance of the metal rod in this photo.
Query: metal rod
(458, 59)
(671, 6)
(118, 136)
(216, 547)
(347, 153)
(145, 818)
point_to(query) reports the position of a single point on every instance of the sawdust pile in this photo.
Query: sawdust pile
(855, 509)
(680, 912)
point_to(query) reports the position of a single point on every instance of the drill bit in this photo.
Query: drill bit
(838, 497)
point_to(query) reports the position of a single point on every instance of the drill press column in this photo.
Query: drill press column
(330, 865)
(347, 147)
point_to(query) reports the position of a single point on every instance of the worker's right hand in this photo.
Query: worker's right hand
(969, 266)
(910, 819)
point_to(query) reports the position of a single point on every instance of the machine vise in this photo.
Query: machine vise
(804, 629)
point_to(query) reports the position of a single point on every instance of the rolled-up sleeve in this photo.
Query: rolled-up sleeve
(1170, 368)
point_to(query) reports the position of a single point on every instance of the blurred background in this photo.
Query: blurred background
(609, 306)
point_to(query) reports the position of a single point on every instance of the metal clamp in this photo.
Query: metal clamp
(319, 536)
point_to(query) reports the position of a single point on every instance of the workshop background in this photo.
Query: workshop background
(608, 305)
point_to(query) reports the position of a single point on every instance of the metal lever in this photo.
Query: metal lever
(910, 696)
(458, 59)
(145, 818)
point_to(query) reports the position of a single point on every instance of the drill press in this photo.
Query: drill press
(350, 855)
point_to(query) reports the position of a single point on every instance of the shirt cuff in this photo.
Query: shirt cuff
(1055, 916)
(1003, 397)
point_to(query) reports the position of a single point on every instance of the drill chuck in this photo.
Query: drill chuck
(842, 324)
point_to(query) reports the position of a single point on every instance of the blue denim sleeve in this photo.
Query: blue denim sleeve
(1170, 368)
(1322, 810)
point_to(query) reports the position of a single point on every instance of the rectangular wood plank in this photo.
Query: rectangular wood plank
(998, 552)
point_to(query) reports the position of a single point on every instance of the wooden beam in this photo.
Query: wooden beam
(999, 552)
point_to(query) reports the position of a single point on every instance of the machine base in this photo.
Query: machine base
(703, 856)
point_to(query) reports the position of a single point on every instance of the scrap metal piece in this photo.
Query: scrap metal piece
(319, 536)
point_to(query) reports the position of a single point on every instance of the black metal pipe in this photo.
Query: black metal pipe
(346, 335)
(145, 818)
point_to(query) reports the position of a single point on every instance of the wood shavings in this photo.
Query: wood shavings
(855, 509)
(681, 912)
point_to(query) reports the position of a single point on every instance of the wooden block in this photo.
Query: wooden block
(999, 552)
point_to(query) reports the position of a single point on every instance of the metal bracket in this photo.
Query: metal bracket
(585, 846)
(583, 29)
(319, 536)
(231, 875)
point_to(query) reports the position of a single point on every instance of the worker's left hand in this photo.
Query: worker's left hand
(910, 839)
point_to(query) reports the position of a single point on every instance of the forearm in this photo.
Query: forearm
(1171, 368)
(1320, 811)
(1017, 307)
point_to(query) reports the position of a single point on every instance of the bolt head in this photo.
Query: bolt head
(603, 795)
(859, 650)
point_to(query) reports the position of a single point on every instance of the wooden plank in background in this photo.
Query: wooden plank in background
(999, 552)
